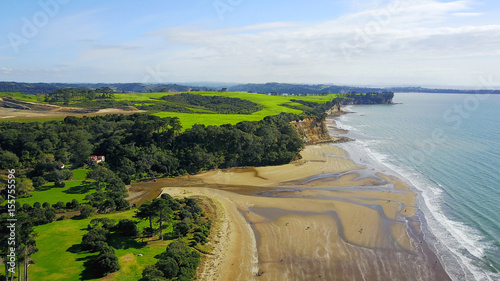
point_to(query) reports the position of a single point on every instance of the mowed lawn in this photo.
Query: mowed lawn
(59, 256)
(74, 189)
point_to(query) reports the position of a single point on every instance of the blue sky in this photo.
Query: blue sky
(358, 42)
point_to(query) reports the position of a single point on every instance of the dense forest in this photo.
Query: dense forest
(46, 88)
(142, 146)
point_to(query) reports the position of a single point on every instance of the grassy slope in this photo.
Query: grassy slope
(59, 257)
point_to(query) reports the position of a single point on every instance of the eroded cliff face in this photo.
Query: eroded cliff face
(314, 130)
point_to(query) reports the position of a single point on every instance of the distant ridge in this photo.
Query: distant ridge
(45, 88)
(273, 88)
(329, 89)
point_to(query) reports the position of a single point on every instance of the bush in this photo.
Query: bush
(151, 273)
(168, 267)
(86, 211)
(38, 181)
(181, 229)
(37, 205)
(60, 184)
(59, 205)
(95, 235)
(106, 263)
(127, 227)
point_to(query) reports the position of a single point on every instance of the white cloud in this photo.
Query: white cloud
(404, 42)
(390, 41)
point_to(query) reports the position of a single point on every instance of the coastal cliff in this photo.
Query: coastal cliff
(313, 130)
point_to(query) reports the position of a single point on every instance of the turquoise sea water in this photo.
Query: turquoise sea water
(447, 147)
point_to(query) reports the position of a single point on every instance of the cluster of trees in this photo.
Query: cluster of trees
(22, 244)
(218, 104)
(141, 146)
(111, 191)
(186, 215)
(65, 95)
(178, 262)
(96, 239)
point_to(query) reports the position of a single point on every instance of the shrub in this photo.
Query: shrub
(168, 267)
(106, 263)
(86, 211)
(127, 227)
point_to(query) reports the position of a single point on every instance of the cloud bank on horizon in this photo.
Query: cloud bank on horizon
(359, 42)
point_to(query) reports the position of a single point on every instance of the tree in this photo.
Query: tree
(59, 205)
(107, 206)
(38, 181)
(90, 238)
(168, 267)
(86, 211)
(162, 211)
(121, 204)
(106, 263)
(127, 228)
(151, 273)
(181, 228)
(101, 175)
(23, 187)
(8, 160)
(146, 212)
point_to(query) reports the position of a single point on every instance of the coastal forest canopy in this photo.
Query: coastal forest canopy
(144, 146)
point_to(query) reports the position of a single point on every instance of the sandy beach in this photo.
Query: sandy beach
(321, 217)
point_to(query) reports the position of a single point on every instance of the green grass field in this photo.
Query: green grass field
(74, 189)
(272, 105)
(19, 96)
(59, 257)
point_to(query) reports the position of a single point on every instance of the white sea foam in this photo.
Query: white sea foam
(456, 244)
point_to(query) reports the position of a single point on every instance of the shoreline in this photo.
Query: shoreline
(321, 216)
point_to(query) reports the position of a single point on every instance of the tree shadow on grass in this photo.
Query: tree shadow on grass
(88, 262)
(79, 189)
(44, 187)
(119, 242)
(89, 272)
(76, 248)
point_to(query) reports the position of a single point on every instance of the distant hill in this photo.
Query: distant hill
(277, 88)
(46, 88)
(328, 89)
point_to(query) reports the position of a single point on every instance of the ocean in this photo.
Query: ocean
(447, 146)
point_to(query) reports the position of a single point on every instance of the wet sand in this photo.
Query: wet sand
(321, 218)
